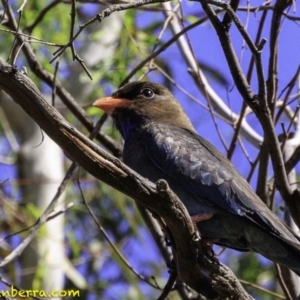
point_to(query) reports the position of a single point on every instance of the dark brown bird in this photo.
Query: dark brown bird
(161, 143)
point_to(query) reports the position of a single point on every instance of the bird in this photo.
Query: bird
(160, 142)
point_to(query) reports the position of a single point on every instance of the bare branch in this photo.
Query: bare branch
(64, 95)
(257, 102)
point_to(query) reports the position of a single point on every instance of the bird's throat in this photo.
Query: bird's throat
(128, 124)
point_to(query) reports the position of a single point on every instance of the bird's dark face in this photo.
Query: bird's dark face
(138, 104)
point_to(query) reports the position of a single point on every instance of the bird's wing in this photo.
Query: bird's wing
(201, 169)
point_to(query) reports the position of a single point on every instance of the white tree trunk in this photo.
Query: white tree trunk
(40, 167)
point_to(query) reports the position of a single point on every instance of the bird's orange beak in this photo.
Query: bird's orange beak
(108, 104)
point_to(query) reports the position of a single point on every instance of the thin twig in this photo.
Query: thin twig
(41, 15)
(50, 217)
(42, 220)
(31, 39)
(110, 242)
(168, 287)
(16, 36)
(104, 14)
(38, 69)
(265, 8)
(161, 49)
(10, 285)
(282, 283)
(53, 94)
(258, 287)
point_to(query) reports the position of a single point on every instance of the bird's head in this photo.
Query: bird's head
(138, 104)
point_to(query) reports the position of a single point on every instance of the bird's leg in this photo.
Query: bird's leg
(207, 243)
(201, 217)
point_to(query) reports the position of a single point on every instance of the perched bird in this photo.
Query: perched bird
(161, 143)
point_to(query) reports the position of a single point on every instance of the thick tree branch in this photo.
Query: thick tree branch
(202, 273)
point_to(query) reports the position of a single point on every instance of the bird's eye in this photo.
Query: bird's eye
(147, 93)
